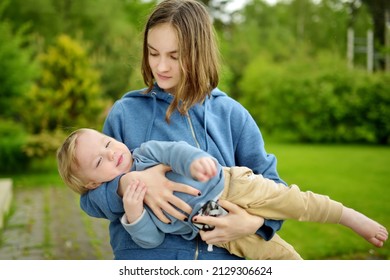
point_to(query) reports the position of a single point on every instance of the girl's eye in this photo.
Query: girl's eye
(153, 54)
(108, 144)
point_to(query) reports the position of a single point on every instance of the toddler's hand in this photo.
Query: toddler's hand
(203, 169)
(133, 198)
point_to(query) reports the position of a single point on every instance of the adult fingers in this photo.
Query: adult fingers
(180, 204)
(183, 188)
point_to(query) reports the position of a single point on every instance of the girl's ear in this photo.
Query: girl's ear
(92, 185)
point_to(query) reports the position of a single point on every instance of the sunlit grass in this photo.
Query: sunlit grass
(357, 176)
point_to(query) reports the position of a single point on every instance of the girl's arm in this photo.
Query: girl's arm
(243, 135)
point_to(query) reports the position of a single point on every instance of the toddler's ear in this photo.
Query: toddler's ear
(92, 185)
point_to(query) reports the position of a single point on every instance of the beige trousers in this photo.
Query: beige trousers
(266, 198)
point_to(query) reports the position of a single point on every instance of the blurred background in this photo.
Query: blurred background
(315, 75)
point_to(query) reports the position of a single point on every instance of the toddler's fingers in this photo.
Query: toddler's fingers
(131, 189)
(140, 191)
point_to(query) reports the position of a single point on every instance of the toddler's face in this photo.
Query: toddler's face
(101, 158)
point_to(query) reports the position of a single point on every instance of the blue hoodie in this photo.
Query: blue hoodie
(220, 126)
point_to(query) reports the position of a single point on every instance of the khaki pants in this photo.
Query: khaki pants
(266, 198)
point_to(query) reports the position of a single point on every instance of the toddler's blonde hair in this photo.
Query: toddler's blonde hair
(67, 162)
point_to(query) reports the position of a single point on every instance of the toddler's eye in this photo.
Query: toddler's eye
(108, 144)
(98, 163)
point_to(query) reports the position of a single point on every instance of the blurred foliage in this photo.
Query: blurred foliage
(44, 144)
(17, 66)
(317, 99)
(63, 63)
(112, 28)
(12, 141)
(67, 93)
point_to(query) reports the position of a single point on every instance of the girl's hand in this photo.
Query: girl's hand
(133, 201)
(159, 195)
(236, 224)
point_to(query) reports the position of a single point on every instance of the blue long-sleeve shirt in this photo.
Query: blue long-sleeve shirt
(149, 231)
(220, 126)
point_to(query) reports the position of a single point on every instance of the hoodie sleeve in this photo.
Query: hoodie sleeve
(178, 155)
(103, 202)
(144, 231)
(250, 152)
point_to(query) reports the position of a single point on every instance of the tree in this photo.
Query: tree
(68, 93)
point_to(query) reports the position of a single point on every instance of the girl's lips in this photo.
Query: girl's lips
(162, 77)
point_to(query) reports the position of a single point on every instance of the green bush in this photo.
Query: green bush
(318, 100)
(44, 144)
(68, 92)
(12, 140)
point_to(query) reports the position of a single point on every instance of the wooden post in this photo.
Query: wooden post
(370, 51)
(350, 46)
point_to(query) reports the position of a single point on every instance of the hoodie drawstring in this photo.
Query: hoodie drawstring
(149, 130)
(205, 124)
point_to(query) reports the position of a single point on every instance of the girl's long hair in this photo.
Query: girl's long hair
(198, 52)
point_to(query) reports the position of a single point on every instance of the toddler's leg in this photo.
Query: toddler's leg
(256, 248)
(369, 229)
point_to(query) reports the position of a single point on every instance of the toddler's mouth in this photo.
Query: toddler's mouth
(120, 159)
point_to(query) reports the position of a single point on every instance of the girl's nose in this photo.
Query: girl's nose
(162, 65)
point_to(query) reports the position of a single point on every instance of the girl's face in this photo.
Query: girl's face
(164, 56)
(101, 158)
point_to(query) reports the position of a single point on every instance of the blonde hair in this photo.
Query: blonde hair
(67, 162)
(198, 51)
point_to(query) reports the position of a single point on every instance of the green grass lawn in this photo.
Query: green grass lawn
(357, 176)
